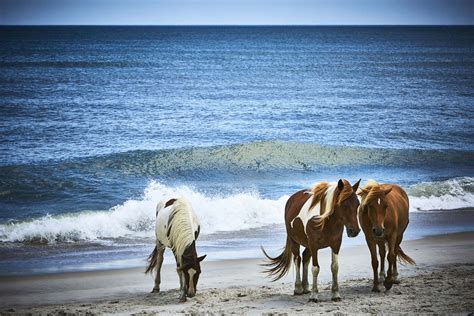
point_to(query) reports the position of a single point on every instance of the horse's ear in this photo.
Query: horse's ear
(363, 192)
(356, 186)
(340, 185)
(201, 258)
(387, 191)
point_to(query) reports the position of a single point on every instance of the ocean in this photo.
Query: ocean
(98, 124)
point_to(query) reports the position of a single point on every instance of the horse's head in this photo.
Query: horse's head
(347, 203)
(191, 269)
(374, 203)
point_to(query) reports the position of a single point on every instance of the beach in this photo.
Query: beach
(101, 123)
(440, 282)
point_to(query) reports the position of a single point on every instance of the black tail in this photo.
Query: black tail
(403, 258)
(152, 260)
(278, 266)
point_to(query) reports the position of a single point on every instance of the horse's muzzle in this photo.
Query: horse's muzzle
(352, 232)
(378, 232)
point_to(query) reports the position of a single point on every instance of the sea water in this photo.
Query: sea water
(98, 124)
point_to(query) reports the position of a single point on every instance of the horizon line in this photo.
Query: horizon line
(2, 25)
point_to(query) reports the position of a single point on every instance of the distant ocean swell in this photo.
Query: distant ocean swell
(134, 219)
(73, 176)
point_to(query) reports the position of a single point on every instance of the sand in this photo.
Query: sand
(441, 282)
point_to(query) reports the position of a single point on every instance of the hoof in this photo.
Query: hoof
(306, 291)
(395, 281)
(336, 299)
(182, 300)
(155, 290)
(313, 300)
(299, 290)
(375, 289)
(387, 284)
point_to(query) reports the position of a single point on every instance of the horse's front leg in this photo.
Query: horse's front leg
(159, 260)
(182, 290)
(182, 287)
(382, 252)
(314, 289)
(336, 297)
(306, 260)
(375, 264)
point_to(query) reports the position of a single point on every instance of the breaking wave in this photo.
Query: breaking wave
(134, 219)
(454, 193)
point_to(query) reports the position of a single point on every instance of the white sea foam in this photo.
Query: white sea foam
(442, 195)
(136, 218)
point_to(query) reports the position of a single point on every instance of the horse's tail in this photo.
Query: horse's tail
(152, 260)
(278, 266)
(403, 258)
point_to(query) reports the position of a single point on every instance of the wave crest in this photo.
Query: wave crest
(135, 219)
(454, 193)
(264, 156)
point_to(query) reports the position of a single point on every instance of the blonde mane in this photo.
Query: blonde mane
(324, 194)
(180, 227)
(370, 192)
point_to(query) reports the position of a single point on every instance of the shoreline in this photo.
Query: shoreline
(127, 290)
(31, 260)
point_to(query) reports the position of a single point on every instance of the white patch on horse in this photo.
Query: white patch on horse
(191, 273)
(306, 214)
(314, 290)
(178, 233)
(378, 201)
(329, 198)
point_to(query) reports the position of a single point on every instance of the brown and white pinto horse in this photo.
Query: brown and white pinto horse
(177, 227)
(315, 219)
(383, 216)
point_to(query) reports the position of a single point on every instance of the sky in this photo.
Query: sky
(236, 12)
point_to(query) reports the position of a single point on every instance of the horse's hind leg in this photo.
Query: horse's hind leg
(159, 260)
(395, 270)
(382, 261)
(306, 260)
(314, 290)
(392, 258)
(295, 249)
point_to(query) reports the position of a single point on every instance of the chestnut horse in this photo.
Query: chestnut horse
(315, 219)
(177, 227)
(384, 217)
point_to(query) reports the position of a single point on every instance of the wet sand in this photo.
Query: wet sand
(441, 282)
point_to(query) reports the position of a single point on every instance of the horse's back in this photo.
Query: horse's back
(294, 205)
(165, 212)
(399, 205)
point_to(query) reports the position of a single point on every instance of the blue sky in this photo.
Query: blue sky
(236, 12)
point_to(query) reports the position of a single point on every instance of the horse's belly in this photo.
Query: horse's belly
(297, 233)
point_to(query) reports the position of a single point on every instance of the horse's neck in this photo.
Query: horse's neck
(189, 252)
(182, 235)
(334, 222)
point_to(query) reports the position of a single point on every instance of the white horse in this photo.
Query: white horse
(177, 227)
